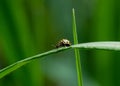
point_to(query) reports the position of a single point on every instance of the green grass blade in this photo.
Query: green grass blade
(20, 63)
(110, 45)
(77, 54)
(93, 45)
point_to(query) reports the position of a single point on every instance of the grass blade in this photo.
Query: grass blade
(77, 55)
(93, 45)
(110, 45)
(20, 63)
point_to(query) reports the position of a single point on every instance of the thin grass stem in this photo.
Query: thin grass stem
(77, 54)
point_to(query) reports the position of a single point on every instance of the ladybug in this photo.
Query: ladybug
(63, 43)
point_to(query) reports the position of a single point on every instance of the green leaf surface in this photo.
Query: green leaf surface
(99, 45)
(92, 45)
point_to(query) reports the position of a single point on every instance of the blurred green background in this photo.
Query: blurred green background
(29, 27)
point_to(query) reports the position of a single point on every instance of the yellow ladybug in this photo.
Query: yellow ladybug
(63, 43)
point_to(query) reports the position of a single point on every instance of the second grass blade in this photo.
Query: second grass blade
(77, 55)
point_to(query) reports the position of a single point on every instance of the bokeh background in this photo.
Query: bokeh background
(29, 27)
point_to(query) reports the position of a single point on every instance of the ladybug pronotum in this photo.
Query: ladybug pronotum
(63, 43)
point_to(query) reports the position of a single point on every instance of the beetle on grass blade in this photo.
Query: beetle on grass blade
(63, 43)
